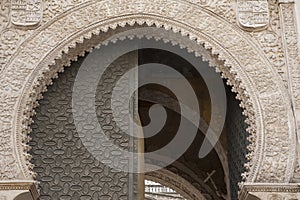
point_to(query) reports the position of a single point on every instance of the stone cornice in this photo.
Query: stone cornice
(30, 186)
(268, 188)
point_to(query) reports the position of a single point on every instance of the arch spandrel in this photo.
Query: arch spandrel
(258, 85)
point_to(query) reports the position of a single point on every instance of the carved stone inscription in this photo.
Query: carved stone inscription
(253, 14)
(26, 12)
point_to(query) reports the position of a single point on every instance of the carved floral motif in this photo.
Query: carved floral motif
(4, 14)
(245, 66)
(292, 61)
(258, 73)
(53, 8)
(271, 42)
(8, 165)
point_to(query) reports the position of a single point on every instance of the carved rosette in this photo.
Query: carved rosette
(26, 12)
(253, 14)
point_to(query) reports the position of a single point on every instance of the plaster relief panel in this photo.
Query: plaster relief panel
(4, 13)
(246, 49)
(253, 14)
(26, 12)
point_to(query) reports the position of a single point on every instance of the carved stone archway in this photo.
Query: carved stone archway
(47, 49)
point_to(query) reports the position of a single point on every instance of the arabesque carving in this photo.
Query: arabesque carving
(270, 40)
(28, 64)
(4, 14)
(292, 56)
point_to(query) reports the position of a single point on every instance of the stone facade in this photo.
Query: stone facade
(256, 51)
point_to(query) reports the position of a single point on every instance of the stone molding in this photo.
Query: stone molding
(13, 189)
(47, 49)
(270, 191)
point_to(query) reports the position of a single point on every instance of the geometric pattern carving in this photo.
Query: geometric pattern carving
(65, 168)
(261, 90)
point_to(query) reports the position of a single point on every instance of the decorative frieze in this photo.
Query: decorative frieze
(290, 41)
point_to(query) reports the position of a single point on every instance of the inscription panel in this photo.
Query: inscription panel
(26, 12)
(253, 14)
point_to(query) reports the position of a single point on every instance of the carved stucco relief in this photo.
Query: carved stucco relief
(10, 36)
(263, 95)
(270, 40)
(267, 39)
(53, 8)
(292, 58)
